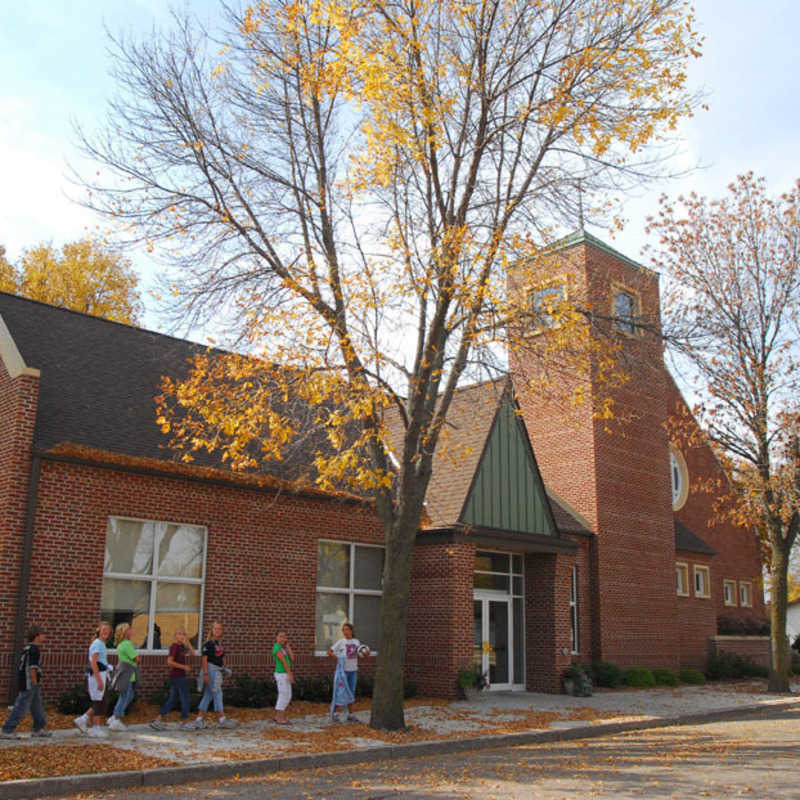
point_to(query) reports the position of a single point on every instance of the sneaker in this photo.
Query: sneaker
(42, 733)
(334, 718)
(227, 723)
(158, 725)
(185, 726)
(115, 724)
(98, 732)
(4, 735)
(353, 718)
(80, 724)
(200, 724)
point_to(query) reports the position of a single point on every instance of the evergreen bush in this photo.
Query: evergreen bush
(604, 673)
(691, 675)
(665, 677)
(639, 677)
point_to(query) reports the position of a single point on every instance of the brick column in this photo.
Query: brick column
(547, 620)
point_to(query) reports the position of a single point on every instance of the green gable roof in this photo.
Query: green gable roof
(507, 492)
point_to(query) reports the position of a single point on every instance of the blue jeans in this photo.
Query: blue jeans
(352, 677)
(178, 688)
(212, 690)
(124, 701)
(27, 698)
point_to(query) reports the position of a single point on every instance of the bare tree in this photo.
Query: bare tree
(732, 315)
(350, 182)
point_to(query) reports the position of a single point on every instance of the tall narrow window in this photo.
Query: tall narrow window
(701, 581)
(745, 593)
(624, 311)
(573, 610)
(349, 589)
(682, 578)
(544, 303)
(729, 592)
(153, 578)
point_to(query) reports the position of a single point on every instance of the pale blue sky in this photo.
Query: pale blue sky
(53, 65)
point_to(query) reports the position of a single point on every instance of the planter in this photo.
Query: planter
(471, 693)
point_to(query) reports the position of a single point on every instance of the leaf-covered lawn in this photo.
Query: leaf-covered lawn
(20, 762)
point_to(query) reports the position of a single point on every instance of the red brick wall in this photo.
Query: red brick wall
(18, 400)
(440, 617)
(617, 475)
(260, 567)
(585, 599)
(756, 648)
(738, 550)
(697, 615)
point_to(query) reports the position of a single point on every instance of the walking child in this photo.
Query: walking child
(351, 648)
(97, 682)
(124, 680)
(213, 664)
(29, 676)
(178, 682)
(284, 677)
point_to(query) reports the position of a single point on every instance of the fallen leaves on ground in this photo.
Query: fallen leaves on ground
(18, 763)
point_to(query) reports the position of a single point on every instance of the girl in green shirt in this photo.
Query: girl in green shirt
(126, 654)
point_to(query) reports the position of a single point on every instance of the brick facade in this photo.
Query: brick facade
(18, 400)
(260, 562)
(261, 557)
(616, 473)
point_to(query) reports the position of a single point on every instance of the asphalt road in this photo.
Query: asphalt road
(755, 756)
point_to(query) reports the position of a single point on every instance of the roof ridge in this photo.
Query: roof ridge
(136, 328)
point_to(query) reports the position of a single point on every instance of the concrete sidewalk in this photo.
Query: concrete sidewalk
(493, 720)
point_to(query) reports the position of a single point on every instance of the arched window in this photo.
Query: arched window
(679, 478)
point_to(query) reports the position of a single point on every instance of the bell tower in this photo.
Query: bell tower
(613, 469)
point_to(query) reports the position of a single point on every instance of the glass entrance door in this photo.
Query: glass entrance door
(492, 640)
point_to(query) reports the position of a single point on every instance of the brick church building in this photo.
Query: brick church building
(547, 540)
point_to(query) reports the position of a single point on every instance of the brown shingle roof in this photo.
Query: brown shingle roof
(456, 460)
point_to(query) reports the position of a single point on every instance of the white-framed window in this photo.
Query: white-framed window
(682, 578)
(679, 478)
(701, 581)
(573, 611)
(154, 578)
(729, 592)
(624, 310)
(349, 589)
(544, 303)
(745, 593)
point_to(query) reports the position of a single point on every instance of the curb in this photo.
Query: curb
(170, 776)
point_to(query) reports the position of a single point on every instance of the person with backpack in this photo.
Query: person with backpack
(29, 675)
(97, 676)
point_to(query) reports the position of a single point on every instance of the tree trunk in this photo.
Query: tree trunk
(779, 669)
(387, 699)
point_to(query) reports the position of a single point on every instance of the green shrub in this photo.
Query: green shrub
(364, 686)
(639, 677)
(75, 700)
(690, 675)
(580, 679)
(248, 692)
(665, 677)
(731, 665)
(317, 689)
(604, 673)
(409, 689)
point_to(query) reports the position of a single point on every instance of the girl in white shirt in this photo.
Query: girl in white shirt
(348, 646)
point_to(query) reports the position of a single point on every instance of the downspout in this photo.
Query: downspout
(24, 571)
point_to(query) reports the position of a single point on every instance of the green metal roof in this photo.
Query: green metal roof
(507, 492)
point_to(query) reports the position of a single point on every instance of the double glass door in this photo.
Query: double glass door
(493, 645)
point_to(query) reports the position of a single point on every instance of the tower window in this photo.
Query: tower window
(624, 312)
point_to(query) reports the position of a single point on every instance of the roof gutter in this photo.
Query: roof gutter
(25, 570)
